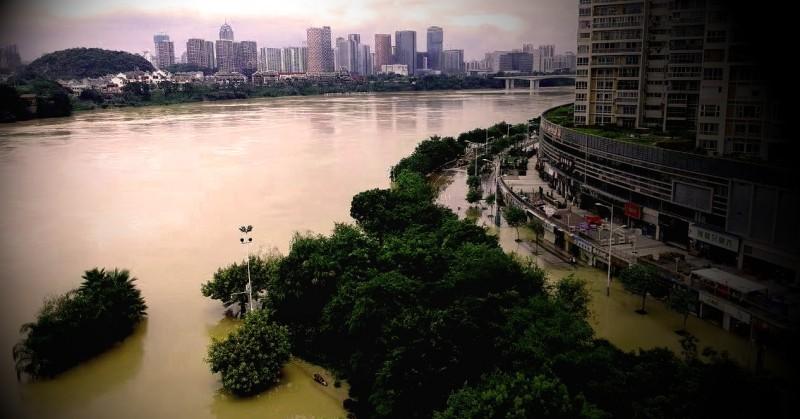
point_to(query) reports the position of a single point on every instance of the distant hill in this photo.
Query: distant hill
(77, 63)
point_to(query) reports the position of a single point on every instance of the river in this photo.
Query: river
(161, 191)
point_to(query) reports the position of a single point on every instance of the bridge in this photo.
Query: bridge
(534, 80)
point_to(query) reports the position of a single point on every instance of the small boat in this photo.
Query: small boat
(320, 379)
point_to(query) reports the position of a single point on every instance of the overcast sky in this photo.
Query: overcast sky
(477, 26)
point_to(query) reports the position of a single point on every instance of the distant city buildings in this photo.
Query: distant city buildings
(164, 50)
(406, 49)
(435, 43)
(400, 69)
(271, 59)
(200, 52)
(348, 54)
(320, 53)
(453, 61)
(383, 51)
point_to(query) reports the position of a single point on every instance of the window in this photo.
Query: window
(709, 110)
(709, 129)
(580, 108)
(581, 85)
(580, 97)
(716, 36)
(712, 74)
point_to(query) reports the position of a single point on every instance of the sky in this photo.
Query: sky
(476, 26)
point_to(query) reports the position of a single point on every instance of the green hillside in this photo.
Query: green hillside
(76, 63)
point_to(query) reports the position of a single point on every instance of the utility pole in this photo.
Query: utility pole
(246, 239)
(610, 234)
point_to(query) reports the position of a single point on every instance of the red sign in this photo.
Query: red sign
(633, 210)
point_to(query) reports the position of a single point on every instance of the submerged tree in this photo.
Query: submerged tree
(682, 300)
(229, 283)
(537, 227)
(80, 324)
(641, 280)
(515, 217)
(250, 358)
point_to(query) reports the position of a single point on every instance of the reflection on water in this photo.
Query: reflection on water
(161, 191)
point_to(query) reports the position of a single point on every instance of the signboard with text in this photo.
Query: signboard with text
(633, 210)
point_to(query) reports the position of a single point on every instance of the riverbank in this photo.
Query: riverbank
(25, 100)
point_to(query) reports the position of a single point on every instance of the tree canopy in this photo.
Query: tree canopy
(77, 63)
(250, 358)
(80, 324)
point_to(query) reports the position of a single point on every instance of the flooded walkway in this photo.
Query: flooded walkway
(613, 318)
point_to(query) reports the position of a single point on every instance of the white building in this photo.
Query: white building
(400, 69)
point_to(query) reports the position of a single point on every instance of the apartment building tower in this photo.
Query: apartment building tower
(320, 53)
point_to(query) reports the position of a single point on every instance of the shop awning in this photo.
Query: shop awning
(735, 282)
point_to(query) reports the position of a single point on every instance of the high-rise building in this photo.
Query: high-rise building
(435, 47)
(272, 60)
(383, 51)
(197, 53)
(226, 32)
(164, 50)
(406, 49)
(564, 62)
(209, 52)
(493, 60)
(674, 66)
(422, 61)
(365, 64)
(516, 61)
(9, 57)
(346, 54)
(293, 59)
(453, 61)
(320, 53)
(225, 56)
(248, 56)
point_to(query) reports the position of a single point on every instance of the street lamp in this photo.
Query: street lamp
(610, 233)
(246, 239)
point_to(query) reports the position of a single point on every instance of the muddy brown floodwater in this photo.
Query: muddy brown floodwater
(161, 191)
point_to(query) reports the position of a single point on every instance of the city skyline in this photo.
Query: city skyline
(43, 26)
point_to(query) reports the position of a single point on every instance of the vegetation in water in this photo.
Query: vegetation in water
(80, 324)
(425, 315)
(251, 357)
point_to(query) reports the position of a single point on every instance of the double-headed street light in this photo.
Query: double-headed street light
(610, 234)
(246, 239)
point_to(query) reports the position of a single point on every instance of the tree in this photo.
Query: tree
(474, 195)
(515, 217)
(229, 282)
(641, 280)
(474, 181)
(572, 294)
(514, 396)
(490, 199)
(537, 227)
(250, 358)
(682, 300)
(80, 324)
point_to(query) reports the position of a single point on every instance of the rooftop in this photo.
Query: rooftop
(680, 141)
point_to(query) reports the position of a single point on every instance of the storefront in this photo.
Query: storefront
(713, 245)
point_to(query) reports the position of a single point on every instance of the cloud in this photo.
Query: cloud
(40, 26)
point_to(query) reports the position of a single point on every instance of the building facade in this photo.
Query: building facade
(164, 50)
(675, 66)
(406, 49)
(320, 54)
(197, 53)
(271, 59)
(435, 45)
(247, 56)
(453, 61)
(383, 51)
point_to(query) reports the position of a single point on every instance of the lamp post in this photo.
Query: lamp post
(610, 233)
(246, 239)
